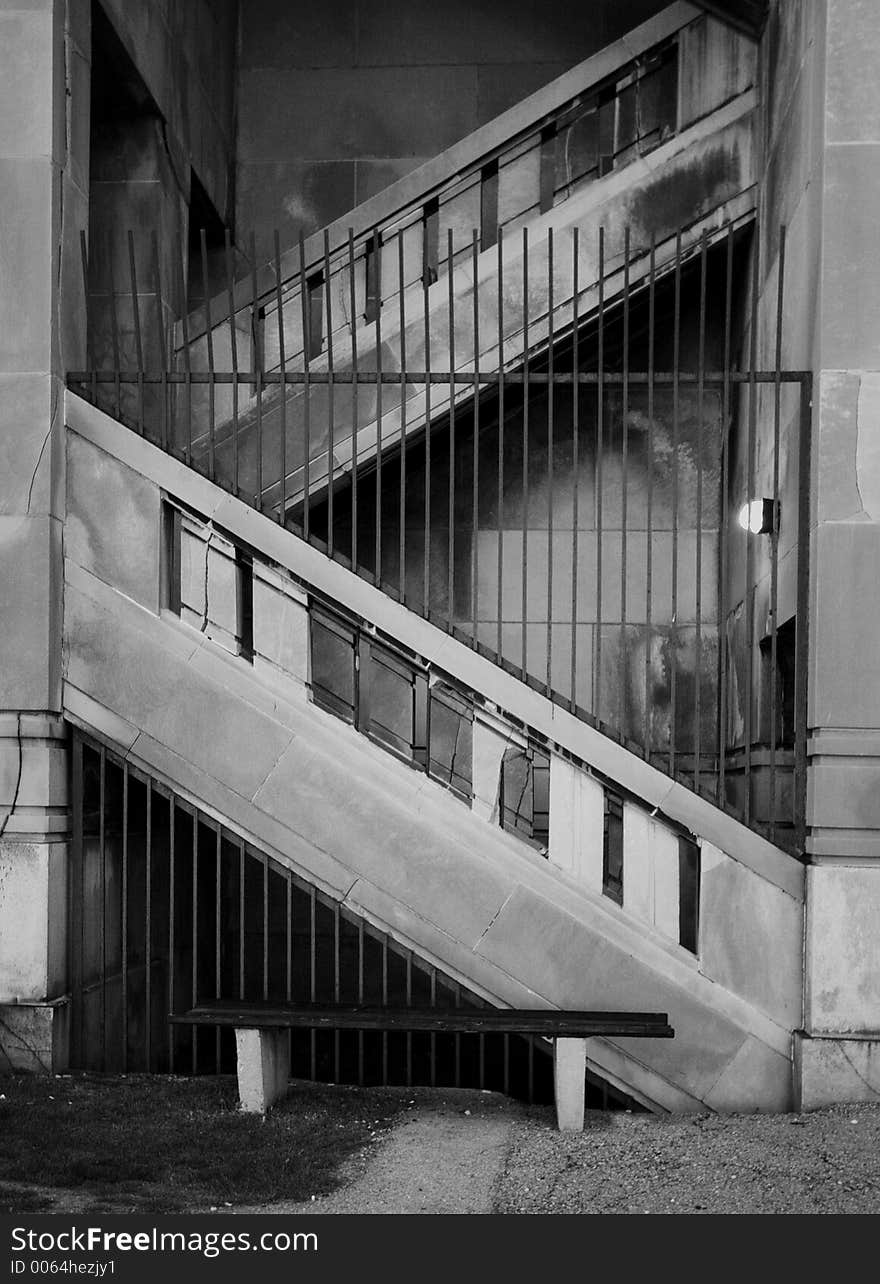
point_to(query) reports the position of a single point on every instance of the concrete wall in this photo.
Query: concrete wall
(336, 101)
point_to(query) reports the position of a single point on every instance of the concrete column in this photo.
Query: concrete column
(263, 1068)
(569, 1079)
(44, 125)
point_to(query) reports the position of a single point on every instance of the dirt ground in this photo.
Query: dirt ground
(450, 1151)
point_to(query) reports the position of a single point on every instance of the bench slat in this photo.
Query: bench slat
(550, 1022)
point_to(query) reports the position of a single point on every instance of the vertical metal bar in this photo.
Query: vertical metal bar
(136, 315)
(258, 376)
(505, 1071)
(802, 652)
(354, 403)
(308, 339)
(148, 909)
(475, 468)
(218, 933)
(194, 979)
(409, 1063)
(283, 392)
(649, 499)
(623, 665)
(426, 281)
(288, 939)
(500, 572)
(698, 596)
(241, 921)
(360, 975)
(457, 992)
(575, 453)
(432, 1038)
(525, 458)
(171, 941)
(723, 656)
(336, 994)
(114, 323)
(102, 937)
(550, 448)
(750, 556)
(90, 338)
(401, 530)
(233, 348)
(331, 543)
(163, 352)
(450, 555)
(209, 340)
(377, 268)
(187, 358)
(673, 640)
(312, 976)
(384, 1004)
(265, 928)
(531, 1079)
(124, 917)
(75, 945)
(774, 533)
(600, 446)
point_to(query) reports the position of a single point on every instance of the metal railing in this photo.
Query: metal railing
(580, 470)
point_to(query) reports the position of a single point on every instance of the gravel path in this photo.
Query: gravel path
(469, 1152)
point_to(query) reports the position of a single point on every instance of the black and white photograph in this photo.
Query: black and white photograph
(439, 618)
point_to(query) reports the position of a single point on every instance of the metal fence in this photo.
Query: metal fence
(168, 908)
(565, 454)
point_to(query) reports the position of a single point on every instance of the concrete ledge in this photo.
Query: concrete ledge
(34, 1036)
(829, 1070)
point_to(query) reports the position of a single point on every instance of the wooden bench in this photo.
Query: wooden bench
(263, 1046)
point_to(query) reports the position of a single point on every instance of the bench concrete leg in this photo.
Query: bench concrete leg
(569, 1073)
(263, 1068)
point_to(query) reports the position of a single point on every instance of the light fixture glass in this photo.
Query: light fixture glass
(760, 516)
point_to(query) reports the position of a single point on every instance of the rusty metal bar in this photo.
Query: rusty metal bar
(312, 976)
(102, 882)
(187, 367)
(265, 865)
(360, 998)
(194, 969)
(336, 991)
(241, 921)
(409, 999)
(426, 283)
(384, 958)
(749, 596)
(148, 910)
(802, 653)
(172, 968)
(673, 632)
(723, 558)
(218, 932)
(114, 323)
(288, 939)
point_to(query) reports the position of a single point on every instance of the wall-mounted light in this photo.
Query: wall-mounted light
(760, 516)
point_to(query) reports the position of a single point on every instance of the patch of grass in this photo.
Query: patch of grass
(151, 1143)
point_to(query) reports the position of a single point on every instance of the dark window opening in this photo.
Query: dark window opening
(373, 277)
(314, 337)
(244, 566)
(688, 894)
(525, 795)
(171, 561)
(334, 666)
(612, 848)
(489, 205)
(431, 242)
(782, 682)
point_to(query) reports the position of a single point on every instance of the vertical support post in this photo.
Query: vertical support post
(774, 534)
(802, 643)
(723, 556)
(282, 390)
(450, 553)
(475, 468)
(233, 348)
(209, 340)
(548, 683)
(701, 372)
(401, 520)
(569, 1075)
(600, 447)
(525, 458)
(263, 1058)
(354, 411)
(308, 349)
(649, 500)
(258, 374)
(500, 551)
(377, 279)
(331, 541)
